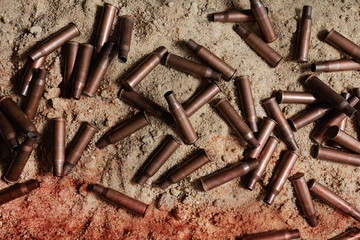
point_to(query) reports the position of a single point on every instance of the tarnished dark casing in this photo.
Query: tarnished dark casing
(334, 66)
(344, 44)
(263, 20)
(55, 41)
(58, 145)
(274, 235)
(120, 199)
(352, 234)
(71, 51)
(8, 132)
(185, 169)
(303, 40)
(227, 174)
(124, 130)
(106, 22)
(259, 46)
(234, 16)
(335, 134)
(29, 73)
(17, 190)
(125, 30)
(295, 97)
(308, 116)
(337, 156)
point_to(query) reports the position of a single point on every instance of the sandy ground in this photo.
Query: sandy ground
(63, 209)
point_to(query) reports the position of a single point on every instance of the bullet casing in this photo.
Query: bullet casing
(18, 190)
(124, 41)
(352, 234)
(29, 73)
(274, 235)
(263, 20)
(344, 44)
(304, 32)
(308, 116)
(227, 174)
(295, 97)
(58, 145)
(124, 130)
(259, 46)
(71, 51)
(234, 16)
(335, 134)
(337, 65)
(337, 156)
(106, 22)
(236, 122)
(8, 132)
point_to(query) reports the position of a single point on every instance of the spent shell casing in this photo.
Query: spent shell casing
(106, 22)
(71, 52)
(29, 73)
(295, 97)
(338, 156)
(124, 41)
(263, 20)
(274, 235)
(17, 190)
(344, 44)
(58, 145)
(303, 38)
(335, 66)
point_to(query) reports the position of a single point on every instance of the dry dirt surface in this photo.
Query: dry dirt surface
(62, 208)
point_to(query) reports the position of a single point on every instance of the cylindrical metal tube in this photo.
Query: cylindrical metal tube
(199, 100)
(227, 174)
(334, 66)
(18, 163)
(185, 169)
(303, 195)
(17, 190)
(337, 156)
(332, 199)
(120, 199)
(352, 234)
(35, 93)
(295, 97)
(212, 60)
(236, 122)
(319, 133)
(342, 124)
(8, 132)
(106, 22)
(124, 130)
(124, 41)
(329, 95)
(282, 173)
(78, 146)
(71, 51)
(308, 116)
(275, 112)
(234, 16)
(247, 101)
(344, 44)
(159, 158)
(335, 134)
(98, 71)
(181, 119)
(81, 70)
(29, 73)
(263, 20)
(55, 41)
(140, 101)
(141, 71)
(266, 127)
(58, 145)
(263, 160)
(304, 32)
(274, 235)
(259, 46)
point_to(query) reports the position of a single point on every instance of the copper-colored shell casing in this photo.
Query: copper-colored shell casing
(81, 70)
(124, 130)
(263, 20)
(55, 41)
(17, 165)
(236, 122)
(71, 51)
(140, 101)
(35, 93)
(344, 44)
(332, 199)
(337, 156)
(98, 71)
(200, 99)
(106, 22)
(352, 234)
(319, 133)
(234, 16)
(247, 101)
(259, 46)
(227, 174)
(295, 97)
(58, 145)
(212, 60)
(274, 235)
(263, 160)
(78, 146)
(334, 66)
(266, 127)
(308, 116)
(304, 32)
(335, 134)
(181, 119)
(8, 132)
(124, 41)
(141, 71)
(329, 95)
(17, 190)
(185, 169)
(29, 73)
(18, 117)
(162, 154)
(303, 195)
(191, 67)
(275, 112)
(281, 175)
(120, 199)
